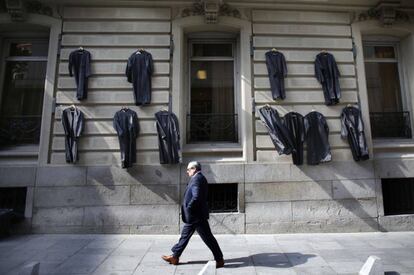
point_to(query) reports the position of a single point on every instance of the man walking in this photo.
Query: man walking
(194, 212)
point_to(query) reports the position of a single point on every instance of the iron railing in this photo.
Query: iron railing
(390, 124)
(212, 127)
(15, 130)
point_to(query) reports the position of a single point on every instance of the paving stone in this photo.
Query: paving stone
(346, 267)
(322, 270)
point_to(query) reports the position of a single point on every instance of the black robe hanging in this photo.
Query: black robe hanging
(72, 121)
(317, 138)
(126, 125)
(277, 70)
(295, 124)
(327, 73)
(168, 137)
(79, 65)
(139, 71)
(278, 132)
(352, 128)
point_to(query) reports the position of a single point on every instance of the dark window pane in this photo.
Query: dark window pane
(212, 116)
(22, 102)
(398, 195)
(384, 94)
(213, 50)
(379, 52)
(29, 49)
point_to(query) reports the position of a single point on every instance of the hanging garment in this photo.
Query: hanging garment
(276, 67)
(168, 137)
(127, 128)
(79, 65)
(352, 128)
(72, 121)
(295, 124)
(317, 141)
(327, 73)
(278, 132)
(139, 71)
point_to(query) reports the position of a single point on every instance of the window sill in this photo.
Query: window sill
(212, 148)
(20, 151)
(393, 143)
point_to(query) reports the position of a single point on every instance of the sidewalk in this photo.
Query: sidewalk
(244, 254)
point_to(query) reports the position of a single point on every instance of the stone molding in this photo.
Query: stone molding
(211, 9)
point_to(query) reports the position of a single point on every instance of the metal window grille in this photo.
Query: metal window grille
(222, 198)
(20, 130)
(398, 195)
(212, 127)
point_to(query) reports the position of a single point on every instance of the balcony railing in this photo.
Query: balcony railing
(18, 130)
(390, 124)
(212, 128)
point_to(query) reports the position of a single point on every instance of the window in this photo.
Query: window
(222, 197)
(388, 115)
(13, 198)
(398, 195)
(22, 94)
(212, 115)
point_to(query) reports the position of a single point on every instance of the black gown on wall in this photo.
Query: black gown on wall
(139, 71)
(277, 70)
(295, 124)
(352, 128)
(79, 65)
(317, 138)
(72, 121)
(327, 73)
(126, 125)
(168, 137)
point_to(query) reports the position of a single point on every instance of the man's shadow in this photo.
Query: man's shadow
(276, 260)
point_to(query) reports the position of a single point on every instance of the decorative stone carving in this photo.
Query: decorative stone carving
(385, 12)
(18, 9)
(211, 9)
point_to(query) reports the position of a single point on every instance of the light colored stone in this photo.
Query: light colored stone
(116, 40)
(119, 13)
(122, 54)
(17, 176)
(353, 189)
(60, 176)
(268, 212)
(61, 216)
(288, 191)
(394, 168)
(116, 26)
(111, 82)
(141, 174)
(217, 173)
(301, 29)
(267, 172)
(82, 196)
(131, 215)
(227, 223)
(154, 194)
(305, 56)
(373, 266)
(396, 223)
(320, 210)
(294, 69)
(302, 83)
(302, 42)
(300, 97)
(93, 127)
(301, 16)
(107, 112)
(30, 269)
(107, 158)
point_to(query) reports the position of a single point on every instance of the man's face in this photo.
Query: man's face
(191, 171)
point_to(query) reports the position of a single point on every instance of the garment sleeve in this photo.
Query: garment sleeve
(160, 130)
(65, 122)
(79, 125)
(325, 124)
(88, 64)
(135, 125)
(149, 64)
(318, 71)
(285, 71)
(117, 125)
(128, 70)
(70, 65)
(176, 130)
(195, 190)
(270, 67)
(344, 130)
(337, 73)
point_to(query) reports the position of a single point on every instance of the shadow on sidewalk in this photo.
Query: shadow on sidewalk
(277, 260)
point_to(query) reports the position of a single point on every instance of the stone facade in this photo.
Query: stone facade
(97, 196)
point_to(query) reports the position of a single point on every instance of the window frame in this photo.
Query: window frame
(6, 57)
(213, 38)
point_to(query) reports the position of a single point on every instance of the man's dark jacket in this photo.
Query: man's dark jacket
(352, 128)
(317, 138)
(79, 65)
(276, 67)
(139, 71)
(168, 137)
(126, 125)
(194, 207)
(278, 132)
(295, 124)
(72, 121)
(327, 73)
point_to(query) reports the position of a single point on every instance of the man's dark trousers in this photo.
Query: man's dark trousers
(203, 229)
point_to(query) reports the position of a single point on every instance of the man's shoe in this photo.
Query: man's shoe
(171, 259)
(219, 263)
